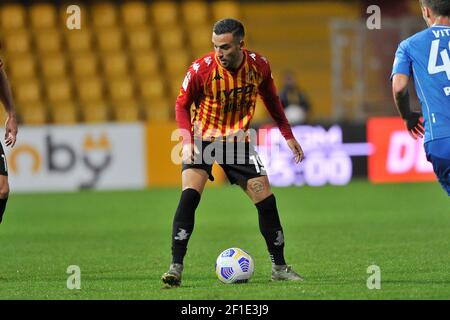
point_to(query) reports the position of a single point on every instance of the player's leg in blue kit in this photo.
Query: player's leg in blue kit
(438, 153)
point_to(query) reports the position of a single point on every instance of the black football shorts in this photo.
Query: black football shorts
(3, 165)
(239, 160)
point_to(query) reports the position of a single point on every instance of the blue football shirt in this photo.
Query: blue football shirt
(426, 57)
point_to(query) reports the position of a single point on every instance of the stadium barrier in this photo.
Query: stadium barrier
(70, 158)
(161, 142)
(97, 156)
(397, 157)
(334, 155)
(138, 155)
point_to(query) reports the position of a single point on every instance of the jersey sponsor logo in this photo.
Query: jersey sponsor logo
(236, 98)
(235, 91)
(253, 56)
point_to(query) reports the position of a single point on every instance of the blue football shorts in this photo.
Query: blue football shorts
(438, 153)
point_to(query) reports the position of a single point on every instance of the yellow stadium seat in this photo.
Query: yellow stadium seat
(109, 39)
(58, 90)
(65, 112)
(158, 110)
(12, 17)
(78, 40)
(103, 15)
(84, 65)
(94, 112)
(159, 115)
(26, 92)
(195, 12)
(43, 16)
(90, 90)
(53, 66)
(146, 64)
(201, 51)
(225, 9)
(121, 89)
(48, 41)
(134, 14)
(164, 13)
(126, 110)
(176, 64)
(114, 64)
(21, 67)
(174, 90)
(200, 38)
(151, 89)
(171, 38)
(33, 114)
(17, 42)
(139, 39)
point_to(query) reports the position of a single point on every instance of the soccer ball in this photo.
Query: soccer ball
(234, 265)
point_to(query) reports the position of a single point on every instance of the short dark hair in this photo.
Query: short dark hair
(233, 26)
(439, 7)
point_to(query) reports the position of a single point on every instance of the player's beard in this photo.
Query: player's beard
(231, 62)
(224, 63)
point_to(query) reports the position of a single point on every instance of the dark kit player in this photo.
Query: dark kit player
(224, 86)
(10, 137)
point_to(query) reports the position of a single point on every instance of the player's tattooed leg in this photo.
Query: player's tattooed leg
(258, 189)
(256, 186)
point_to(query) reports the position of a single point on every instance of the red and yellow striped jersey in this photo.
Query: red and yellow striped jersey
(225, 99)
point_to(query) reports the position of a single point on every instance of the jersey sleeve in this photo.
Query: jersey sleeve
(268, 93)
(190, 91)
(402, 61)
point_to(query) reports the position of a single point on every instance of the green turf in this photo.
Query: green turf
(121, 242)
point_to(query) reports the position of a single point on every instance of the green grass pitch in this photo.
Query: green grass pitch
(121, 242)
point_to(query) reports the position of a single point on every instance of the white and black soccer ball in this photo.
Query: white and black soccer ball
(234, 265)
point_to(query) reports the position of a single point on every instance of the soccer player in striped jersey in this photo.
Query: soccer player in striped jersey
(426, 58)
(10, 137)
(223, 85)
